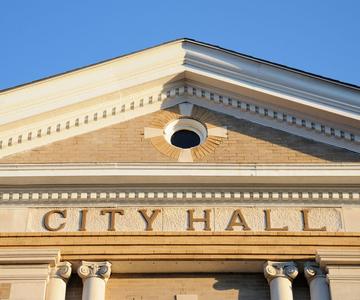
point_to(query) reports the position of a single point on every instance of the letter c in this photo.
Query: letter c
(62, 213)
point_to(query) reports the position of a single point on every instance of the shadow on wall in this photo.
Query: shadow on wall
(255, 286)
(249, 286)
(243, 132)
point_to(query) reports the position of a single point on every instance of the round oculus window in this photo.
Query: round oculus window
(185, 139)
(185, 133)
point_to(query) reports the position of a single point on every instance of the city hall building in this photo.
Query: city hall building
(180, 172)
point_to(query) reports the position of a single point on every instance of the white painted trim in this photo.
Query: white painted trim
(280, 82)
(88, 83)
(114, 112)
(171, 59)
(298, 174)
(339, 257)
(24, 274)
(10, 256)
(185, 124)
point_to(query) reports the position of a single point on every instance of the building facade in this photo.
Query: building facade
(184, 171)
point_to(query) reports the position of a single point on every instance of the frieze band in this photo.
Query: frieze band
(56, 219)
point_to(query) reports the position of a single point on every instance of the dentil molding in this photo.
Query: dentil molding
(122, 109)
(174, 196)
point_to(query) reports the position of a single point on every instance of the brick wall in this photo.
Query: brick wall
(246, 143)
(206, 286)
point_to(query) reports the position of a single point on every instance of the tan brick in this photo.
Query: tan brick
(246, 143)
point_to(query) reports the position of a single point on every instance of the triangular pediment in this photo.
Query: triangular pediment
(118, 91)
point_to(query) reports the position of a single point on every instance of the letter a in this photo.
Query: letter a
(237, 219)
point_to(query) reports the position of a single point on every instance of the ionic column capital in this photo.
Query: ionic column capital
(313, 270)
(274, 269)
(100, 270)
(62, 270)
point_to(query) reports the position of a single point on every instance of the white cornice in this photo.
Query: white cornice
(271, 79)
(171, 59)
(181, 174)
(81, 85)
(115, 109)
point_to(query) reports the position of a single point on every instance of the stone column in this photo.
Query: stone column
(280, 276)
(94, 276)
(316, 278)
(56, 287)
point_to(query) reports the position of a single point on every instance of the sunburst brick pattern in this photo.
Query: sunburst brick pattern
(164, 147)
(159, 142)
(215, 134)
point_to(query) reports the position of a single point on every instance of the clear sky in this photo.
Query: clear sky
(39, 38)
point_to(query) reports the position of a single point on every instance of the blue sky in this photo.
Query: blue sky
(39, 38)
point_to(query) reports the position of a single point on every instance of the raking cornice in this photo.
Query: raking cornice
(117, 109)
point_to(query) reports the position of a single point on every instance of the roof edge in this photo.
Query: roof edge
(193, 41)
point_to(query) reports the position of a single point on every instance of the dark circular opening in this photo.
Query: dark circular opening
(185, 139)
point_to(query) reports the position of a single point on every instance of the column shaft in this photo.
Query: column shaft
(281, 289)
(56, 289)
(319, 288)
(94, 289)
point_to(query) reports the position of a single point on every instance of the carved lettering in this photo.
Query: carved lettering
(205, 219)
(62, 213)
(149, 219)
(237, 219)
(83, 216)
(112, 213)
(305, 215)
(58, 219)
(268, 223)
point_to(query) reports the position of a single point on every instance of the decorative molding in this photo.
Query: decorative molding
(274, 270)
(123, 109)
(335, 174)
(273, 80)
(61, 270)
(275, 118)
(29, 256)
(89, 269)
(89, 119)
(343, 274)
(175, 196)
(24, 272)
(339, 257)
